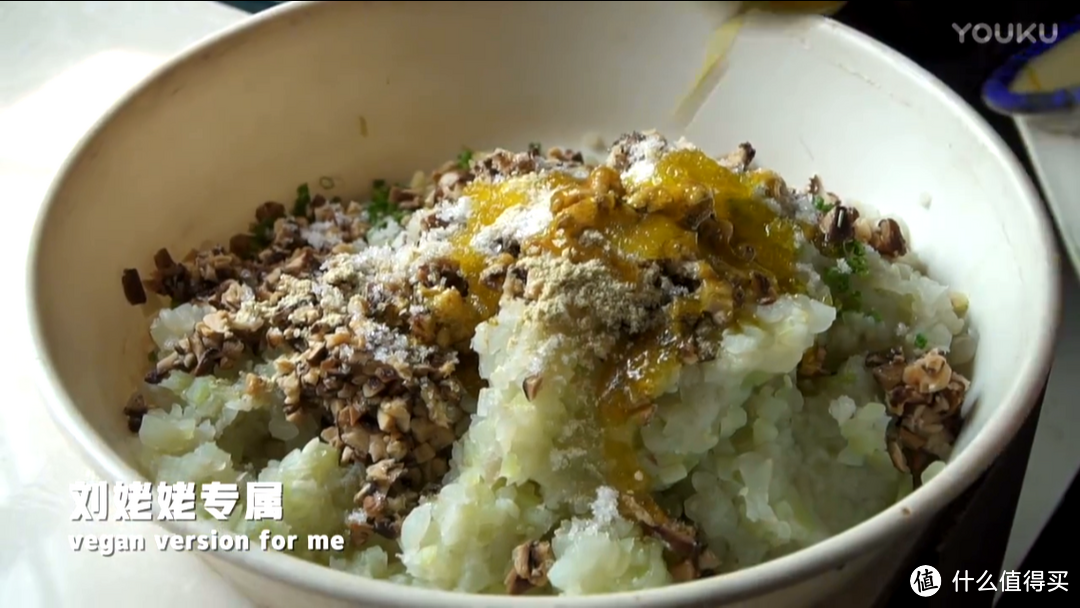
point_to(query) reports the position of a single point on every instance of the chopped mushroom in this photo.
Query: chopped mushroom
(692, 568)
(531, 386)
(135, 410)
(397, 419)
(697, 209)
(405, 198)
(888, 239)
(531, 562)
(565, 156)
(686, 550)
(740, 159)
(887, 368)
(680, 538)
(624, 151)
(812, 364)
(838, 224)
(683, 571)
(269, 211)
(924, 397)
(133, 287)
(360, 533)
(930, 373)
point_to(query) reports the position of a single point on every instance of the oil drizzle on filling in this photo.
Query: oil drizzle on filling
(689, 210)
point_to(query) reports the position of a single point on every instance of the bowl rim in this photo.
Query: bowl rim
(999, 97)
(834, 552)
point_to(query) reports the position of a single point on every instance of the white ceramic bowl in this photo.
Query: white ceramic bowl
(281, 99)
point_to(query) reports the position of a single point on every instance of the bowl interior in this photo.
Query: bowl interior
(358, 91)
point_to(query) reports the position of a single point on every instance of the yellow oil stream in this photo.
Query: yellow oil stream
(724, 38)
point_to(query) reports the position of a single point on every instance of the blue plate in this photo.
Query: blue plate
(998, 97)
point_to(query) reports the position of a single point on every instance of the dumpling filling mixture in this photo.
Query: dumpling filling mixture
(529, 373)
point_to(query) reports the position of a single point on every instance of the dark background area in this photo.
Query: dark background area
(972, 539)
(923, 31)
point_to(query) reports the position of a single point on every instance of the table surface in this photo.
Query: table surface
(61, 65)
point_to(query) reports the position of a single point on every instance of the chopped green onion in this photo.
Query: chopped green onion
(263, 233)
(464, 159)
(855, 254)
(821, 205)
(844, 297)
(303, 200)
(380, 208)
(837, 281)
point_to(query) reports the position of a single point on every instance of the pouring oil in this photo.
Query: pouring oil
(724, 38)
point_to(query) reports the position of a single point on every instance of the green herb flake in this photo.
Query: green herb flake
(853, 301)
(151, 357)
(920, 341)
(875, 315)
(380, 208)
(262, 233)
(855, 255)
(845, 299)
(380, 190)
(859, 266)
(821, 205)
(464, 159)
(303, 200)
(534, 148)
(837, 281)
